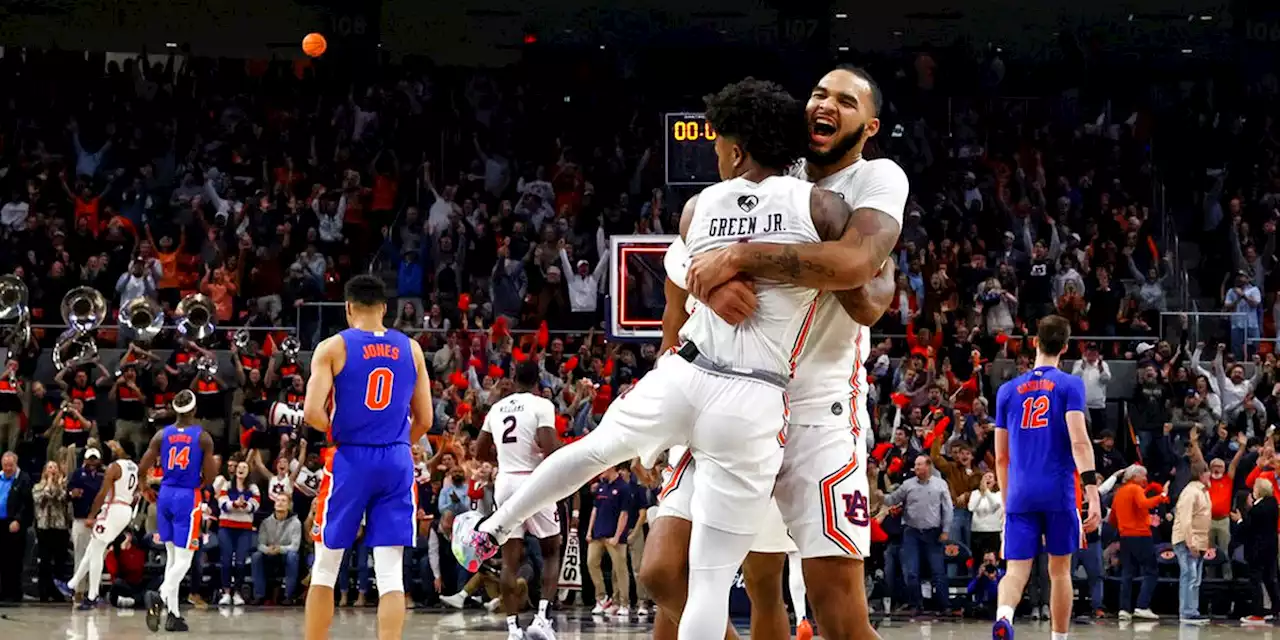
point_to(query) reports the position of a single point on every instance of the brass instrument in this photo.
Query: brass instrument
(15, 315)
(195, 317)
(240, 338)
(83, 309)
(143, 317)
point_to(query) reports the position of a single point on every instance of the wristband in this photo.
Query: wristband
(1089, 478)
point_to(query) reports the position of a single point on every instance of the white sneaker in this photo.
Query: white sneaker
(237, 600)
(622, 612)
(540, 629)
(515, 634)
(492, 605)
(125, 602)
(1035, 613)
(1126, 615)
(225, 600)
(457, 600)
(1145, 614)
(602, 606)
(1044, 612)
(642, 610)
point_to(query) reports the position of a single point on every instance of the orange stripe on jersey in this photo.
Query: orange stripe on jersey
(786, 419)
(803, 336)
(830, 509)
(853, 384)
(678, 475)
(193, 537)
(322, 497)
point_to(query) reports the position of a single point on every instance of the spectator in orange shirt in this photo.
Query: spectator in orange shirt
(217, 284)
(1221, 487)
(1131, 510)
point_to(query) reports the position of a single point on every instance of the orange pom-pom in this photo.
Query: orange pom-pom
(314, 45)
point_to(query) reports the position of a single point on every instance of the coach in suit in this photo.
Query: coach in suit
(1258, 532)
(16, 512)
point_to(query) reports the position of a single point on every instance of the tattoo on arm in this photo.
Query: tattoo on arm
(789, 263)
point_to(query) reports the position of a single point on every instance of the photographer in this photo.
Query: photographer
(70, 428)
(131, 427)
(13, 401)
(211, 401)
(985, 586)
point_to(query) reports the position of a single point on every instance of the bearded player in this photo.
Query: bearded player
(665, 565)
(822, 488)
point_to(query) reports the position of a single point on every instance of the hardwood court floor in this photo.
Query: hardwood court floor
(45, 622)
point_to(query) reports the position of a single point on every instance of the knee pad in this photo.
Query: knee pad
(388, 569)
(324, 571)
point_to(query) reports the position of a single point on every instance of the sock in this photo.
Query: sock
(543, 605)
(173, 579)
(95, 556)
(1004, 612)
(561, 474)
(1059, 636)
(795, 584)
(714, 558)
(513, 623)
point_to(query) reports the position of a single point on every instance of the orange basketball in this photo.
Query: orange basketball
(314, 45)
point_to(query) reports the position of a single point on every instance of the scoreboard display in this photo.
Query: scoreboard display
(690, 149)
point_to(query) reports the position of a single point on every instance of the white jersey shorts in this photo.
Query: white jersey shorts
(734, 425)
(823, 491)
(112, 521)
(544, 524)
(674, 503)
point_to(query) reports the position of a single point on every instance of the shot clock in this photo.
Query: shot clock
(690, 148)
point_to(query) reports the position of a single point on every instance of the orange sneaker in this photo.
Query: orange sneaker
(804, 630)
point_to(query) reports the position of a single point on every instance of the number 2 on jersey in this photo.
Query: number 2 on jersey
(509, 434)
(179, 458)
(377, 396)
(1034, 411)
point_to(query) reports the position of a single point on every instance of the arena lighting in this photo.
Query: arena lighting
(1206, 18)
(844, 47)
(1187, 51)
(841, 16)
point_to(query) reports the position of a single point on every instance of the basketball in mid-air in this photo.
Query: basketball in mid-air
(314, 45)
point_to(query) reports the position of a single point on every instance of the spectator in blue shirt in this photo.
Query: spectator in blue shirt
(16, 512)
(641, 499)
(605, 534)
(453, 493)
(83, 487)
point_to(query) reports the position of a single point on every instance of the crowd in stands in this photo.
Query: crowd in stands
(265, 186)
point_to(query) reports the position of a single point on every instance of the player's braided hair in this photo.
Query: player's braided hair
(761, 117)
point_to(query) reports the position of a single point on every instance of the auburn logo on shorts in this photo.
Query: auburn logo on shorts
(315, 530)
(100, 529)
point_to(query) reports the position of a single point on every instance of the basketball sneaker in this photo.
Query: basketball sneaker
(472, 547)
(540, 629)
(1002, 630)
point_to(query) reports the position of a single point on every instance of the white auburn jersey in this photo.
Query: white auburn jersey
(514, 424)
(775, 210)
(124, 489)
(830, 380)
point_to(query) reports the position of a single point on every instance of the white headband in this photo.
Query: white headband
(187, 407)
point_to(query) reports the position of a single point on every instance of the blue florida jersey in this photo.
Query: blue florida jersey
(1033, 408)
(371, 394)
(181, 457)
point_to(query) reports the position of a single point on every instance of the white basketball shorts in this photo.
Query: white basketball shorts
(823, 492)
(734, 425)
(112, 522)
(544, 524)
(674, 503)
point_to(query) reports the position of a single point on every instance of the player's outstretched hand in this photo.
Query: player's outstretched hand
(734, 301)
(709, 270)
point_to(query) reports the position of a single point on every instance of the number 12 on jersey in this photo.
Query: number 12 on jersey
(1035, 412)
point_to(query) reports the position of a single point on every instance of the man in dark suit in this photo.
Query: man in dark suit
(1258, 532)
(16, 512)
